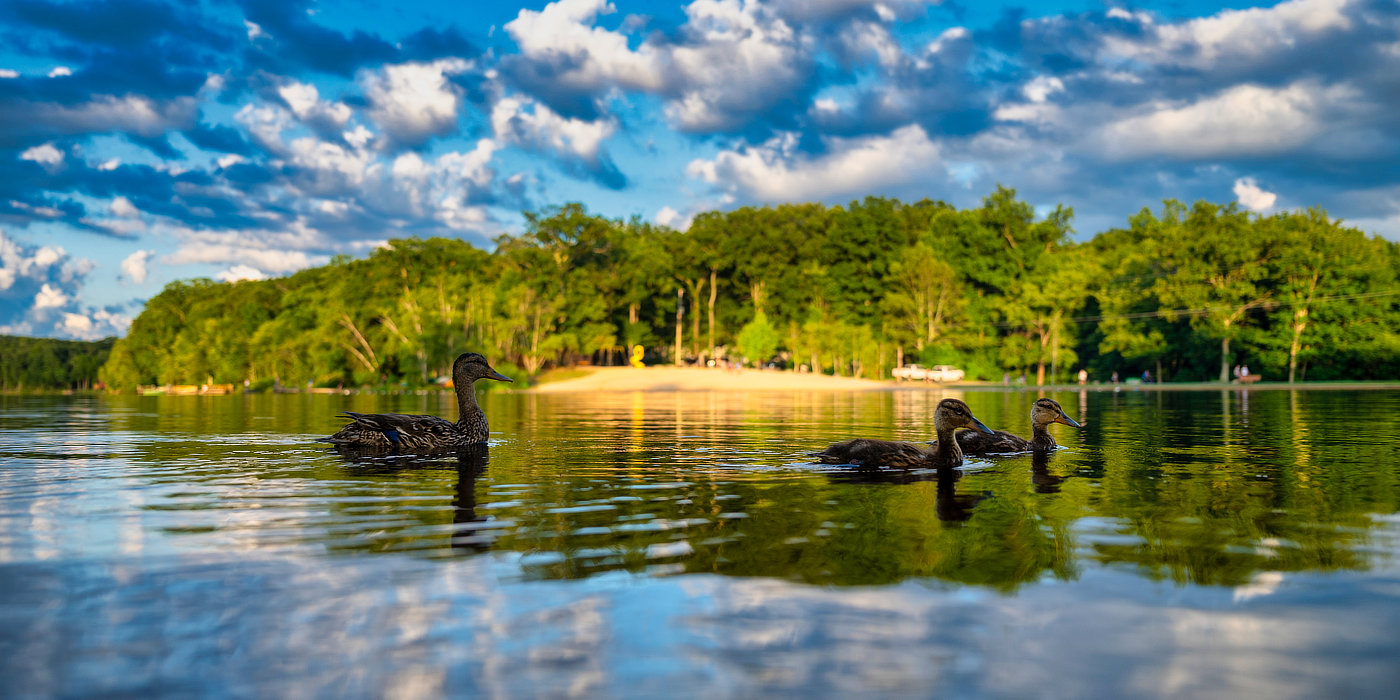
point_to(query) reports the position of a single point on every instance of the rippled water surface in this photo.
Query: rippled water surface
(1184, 544)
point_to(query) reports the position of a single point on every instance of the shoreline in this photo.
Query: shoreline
(666, 378)
(623, 380)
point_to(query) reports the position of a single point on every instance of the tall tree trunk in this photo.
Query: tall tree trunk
(714, 291)
(1300, 324)
(680, 304)
(699, 284)
(1225, 359)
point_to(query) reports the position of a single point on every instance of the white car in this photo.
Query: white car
(913, 372)
(946, 373)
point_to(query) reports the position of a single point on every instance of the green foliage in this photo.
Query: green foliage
(1186, 293)
(35, 364)
(758, 340)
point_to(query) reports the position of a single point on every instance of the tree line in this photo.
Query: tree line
(1185, 292)
(28, 364)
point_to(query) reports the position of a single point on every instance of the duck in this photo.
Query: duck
(949, 416)
(1043, 413)
(411, 432)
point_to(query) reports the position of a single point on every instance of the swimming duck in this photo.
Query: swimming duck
(393, 430)
(1043, 413)
(950, 415)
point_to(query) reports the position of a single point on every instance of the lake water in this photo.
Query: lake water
(1184, 544)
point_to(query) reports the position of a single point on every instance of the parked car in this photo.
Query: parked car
(911, 372)
(946, 373)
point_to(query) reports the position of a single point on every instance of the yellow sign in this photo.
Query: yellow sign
(637, 352)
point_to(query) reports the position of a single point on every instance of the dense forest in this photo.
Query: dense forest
(1185, 292)
(28, 364)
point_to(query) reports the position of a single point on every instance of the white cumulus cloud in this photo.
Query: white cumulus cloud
(121, 206)
(594, 57)
(306, 103)
(50, 297)
(536, 127)
(44, 154)
(241, 272)
(1252, 197)
(1245, 120)
(134, 265)
(413, 102)
(776, 172)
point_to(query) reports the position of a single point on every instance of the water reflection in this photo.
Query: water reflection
(1209, 487)
(949, 506)
(1044, 481)
(631, 545)
(469, 462)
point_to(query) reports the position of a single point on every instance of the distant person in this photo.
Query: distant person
(1021, 380)
(1006, 379)
(1146, 377)
(1083, 376)
(1115, 376)
(1237, 372)
(1244, 371)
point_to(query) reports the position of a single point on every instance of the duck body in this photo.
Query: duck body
(416, 432)
(1043, 413)
(950, 415)
(887, 453)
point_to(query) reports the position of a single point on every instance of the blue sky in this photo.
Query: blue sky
(144, 141)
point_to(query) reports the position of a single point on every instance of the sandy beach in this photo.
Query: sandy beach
(624, 379)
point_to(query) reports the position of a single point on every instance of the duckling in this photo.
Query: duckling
(950, 415)
(1043, 413)
(392, 430)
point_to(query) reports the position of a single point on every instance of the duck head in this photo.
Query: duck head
(952, 414)
(470, 366)
(1047, 411)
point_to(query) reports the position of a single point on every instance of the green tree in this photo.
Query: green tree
(758, 340)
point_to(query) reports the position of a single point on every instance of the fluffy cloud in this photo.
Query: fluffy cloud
(577, 143)
(241, 272)
(137, 115)
(446, 190)
(1235, 35)
(273, 251)
(413, 102)
(1247, 120)
(49, 297)
(777, 172)
(816, 10)
(91, 325)
(39, 286)
(1252, 197)
(582, 57)
(668, 217)
(45, 154)
(729, 65)
(134, 266)
(306, 104)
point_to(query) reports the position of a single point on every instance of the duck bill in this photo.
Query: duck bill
(979, 426)
(1068, 421)
(499, 377)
